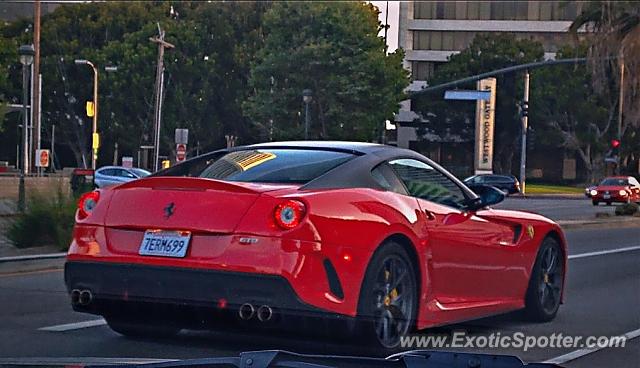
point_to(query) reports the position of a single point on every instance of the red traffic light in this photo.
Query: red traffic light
(615, 143)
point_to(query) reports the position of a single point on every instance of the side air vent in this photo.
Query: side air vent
(517, 231)
(332, 277)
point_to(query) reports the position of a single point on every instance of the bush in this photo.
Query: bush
(627, 209)
(48, 220)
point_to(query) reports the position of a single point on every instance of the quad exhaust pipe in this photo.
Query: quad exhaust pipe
(247, 311)
(264, 313)
(81, 297)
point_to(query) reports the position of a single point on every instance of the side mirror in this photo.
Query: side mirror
(488, 196)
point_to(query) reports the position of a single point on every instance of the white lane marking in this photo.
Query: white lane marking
(603, 252)
(582, 352)
(74, 326)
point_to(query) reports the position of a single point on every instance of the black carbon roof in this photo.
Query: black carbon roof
(362, 147)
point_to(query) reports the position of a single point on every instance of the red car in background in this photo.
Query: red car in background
(622, 189)
(379, 239)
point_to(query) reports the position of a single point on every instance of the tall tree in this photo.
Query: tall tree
(569, 114)
(615, 37)
(206, 77)
(334, 50)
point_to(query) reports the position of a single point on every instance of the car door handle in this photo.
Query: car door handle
(429, 215)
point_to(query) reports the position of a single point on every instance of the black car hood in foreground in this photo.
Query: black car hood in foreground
(409, 359)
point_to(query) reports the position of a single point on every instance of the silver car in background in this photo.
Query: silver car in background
(113, 175)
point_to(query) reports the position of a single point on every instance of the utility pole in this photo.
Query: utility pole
(162, 44)
(525, 125)
(53, 147)
(35, 80)
(386, 26)
(620, 107)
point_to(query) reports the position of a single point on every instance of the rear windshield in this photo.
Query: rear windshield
(265, 166)
(615, 181)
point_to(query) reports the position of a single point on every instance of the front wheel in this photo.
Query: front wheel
(389, 296)
(546, 282)
(135, 328)
(595, 203)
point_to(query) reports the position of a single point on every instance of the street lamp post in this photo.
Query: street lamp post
(307, 97)
(95, 140)
(26, 53)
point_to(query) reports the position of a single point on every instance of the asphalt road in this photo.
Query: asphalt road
(558, 209)
(602, 298)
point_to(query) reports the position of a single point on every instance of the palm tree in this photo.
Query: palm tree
(614, 28)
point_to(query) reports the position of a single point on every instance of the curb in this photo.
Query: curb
(550, 196)
(616, 222)
(21, 265)
(33, 257)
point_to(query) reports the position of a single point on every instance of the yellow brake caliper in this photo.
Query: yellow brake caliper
(392, 294)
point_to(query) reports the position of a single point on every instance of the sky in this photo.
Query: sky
(394, 9)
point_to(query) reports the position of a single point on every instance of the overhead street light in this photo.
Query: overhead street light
(95, 138)
(307, 97)
(26, 53)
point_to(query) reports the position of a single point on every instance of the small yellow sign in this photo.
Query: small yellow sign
(166, 164)
(90, 109)
(95, 141)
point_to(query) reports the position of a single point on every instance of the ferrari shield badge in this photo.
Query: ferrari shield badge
(530, 231)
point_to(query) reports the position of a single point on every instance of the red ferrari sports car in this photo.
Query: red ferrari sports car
(623, 189)
(377, 238)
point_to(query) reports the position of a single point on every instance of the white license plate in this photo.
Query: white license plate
(606, 196)
(165, 243)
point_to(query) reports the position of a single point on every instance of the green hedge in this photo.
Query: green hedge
(48, 220)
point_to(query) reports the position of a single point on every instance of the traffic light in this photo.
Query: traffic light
(615, 147)
(524, 109)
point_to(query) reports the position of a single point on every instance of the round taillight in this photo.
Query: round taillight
(289, 214)
(87, 203)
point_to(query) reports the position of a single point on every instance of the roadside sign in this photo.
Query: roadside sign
(127, 161)
(182, 136)
(166, 164)
(467, 95)
(43, 158)
(485, 117)
(181, 152)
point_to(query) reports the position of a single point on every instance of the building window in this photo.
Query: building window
(457, 41)
(497, 10)
(422, 70)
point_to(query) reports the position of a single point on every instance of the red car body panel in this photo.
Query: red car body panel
(471, 264)
(633, 194)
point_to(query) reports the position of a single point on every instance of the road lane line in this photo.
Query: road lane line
(74, 326)
(582, 352)
(603, 252)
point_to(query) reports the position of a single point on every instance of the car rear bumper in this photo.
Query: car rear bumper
(114, 286)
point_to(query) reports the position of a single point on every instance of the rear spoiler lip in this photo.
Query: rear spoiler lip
(185, 183)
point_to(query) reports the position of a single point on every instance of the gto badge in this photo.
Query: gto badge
(169, 210)
(530, 231)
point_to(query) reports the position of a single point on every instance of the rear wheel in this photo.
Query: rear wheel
(389, 297)
(142, 328)
(545, 285)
